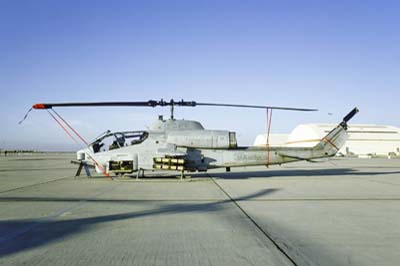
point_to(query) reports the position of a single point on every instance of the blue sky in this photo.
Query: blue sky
(330, 55)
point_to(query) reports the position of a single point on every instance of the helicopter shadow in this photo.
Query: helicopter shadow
(282, 173)
(27, 234)
(294, 173)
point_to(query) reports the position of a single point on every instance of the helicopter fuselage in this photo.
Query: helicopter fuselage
(185, 145)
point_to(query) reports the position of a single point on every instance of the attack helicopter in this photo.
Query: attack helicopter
(185, 145)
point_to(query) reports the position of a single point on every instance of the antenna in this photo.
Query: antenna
(172, 110)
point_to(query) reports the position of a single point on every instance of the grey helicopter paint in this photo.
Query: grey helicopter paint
(185, 145)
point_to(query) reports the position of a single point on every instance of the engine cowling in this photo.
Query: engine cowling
(213, 139)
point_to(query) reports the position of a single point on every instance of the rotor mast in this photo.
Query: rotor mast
(172, 103)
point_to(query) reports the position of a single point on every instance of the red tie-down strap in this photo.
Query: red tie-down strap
(269, 118)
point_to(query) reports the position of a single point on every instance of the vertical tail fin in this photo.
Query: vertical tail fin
(335, 139)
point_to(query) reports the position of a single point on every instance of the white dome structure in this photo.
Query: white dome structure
(305, 135)
(364, 139)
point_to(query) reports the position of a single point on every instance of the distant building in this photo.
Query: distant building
(363, 139)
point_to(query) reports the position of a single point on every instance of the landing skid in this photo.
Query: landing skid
(140, 174)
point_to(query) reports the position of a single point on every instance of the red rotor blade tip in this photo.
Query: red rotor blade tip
(39, 106)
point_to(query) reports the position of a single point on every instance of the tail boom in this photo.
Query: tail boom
(328, 146)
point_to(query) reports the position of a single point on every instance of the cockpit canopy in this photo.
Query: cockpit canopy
(117, 140)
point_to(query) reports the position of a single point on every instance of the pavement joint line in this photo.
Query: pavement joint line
(46, 199)
(377, 181)
(33, 169)
(51, 216)
(325, 199)
(12, 199)
(36, 184)
(264, 232)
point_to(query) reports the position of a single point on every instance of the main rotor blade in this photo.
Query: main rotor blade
(153, 103)
(257, 107)
(94, 104)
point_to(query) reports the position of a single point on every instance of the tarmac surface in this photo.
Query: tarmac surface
(341, 212)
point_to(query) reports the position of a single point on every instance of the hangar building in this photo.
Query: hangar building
(364, 139)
